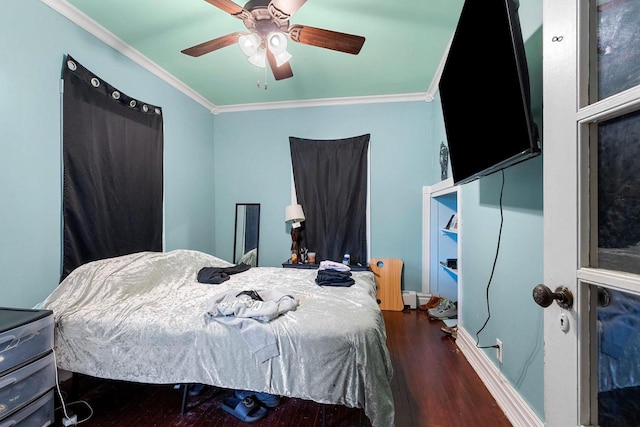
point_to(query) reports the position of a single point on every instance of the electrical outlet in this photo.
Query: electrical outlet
(499, 350)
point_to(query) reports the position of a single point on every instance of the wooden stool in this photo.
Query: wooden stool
(388, 273)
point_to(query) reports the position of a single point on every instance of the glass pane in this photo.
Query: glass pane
(618, 46)
(619, 194)
(618, 315)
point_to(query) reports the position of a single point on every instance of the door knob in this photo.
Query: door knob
(543, 296)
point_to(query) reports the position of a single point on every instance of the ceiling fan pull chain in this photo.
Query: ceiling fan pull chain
(265, 79)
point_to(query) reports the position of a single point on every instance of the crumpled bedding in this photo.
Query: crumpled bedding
(142, 317)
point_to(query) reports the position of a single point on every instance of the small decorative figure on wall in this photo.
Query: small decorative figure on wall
(444, 161)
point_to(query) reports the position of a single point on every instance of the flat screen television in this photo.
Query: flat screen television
(484, 91)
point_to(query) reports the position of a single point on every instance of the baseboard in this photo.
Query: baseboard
(509, 400)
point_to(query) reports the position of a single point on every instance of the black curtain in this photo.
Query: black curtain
(112, 179)
(330, 177)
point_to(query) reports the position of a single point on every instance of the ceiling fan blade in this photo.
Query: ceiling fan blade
(342, 42)
(288, 7)
(230, 7)
(279, 73)
(212, 45)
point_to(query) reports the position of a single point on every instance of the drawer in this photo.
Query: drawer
(39, 413)
(25, 384)
(23, 338)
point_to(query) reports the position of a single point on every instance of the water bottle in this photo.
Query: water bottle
(346, 259)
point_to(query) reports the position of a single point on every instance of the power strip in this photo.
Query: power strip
(72, 420)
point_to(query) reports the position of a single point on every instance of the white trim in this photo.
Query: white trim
(428, 192)
(433, 87)
(626, 282)
(325, 102)
(509, 400)
(69, 11)
(442, 187)
(83, 21)
(368, 205)
(426, 241)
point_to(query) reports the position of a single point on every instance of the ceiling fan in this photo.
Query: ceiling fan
(269, 29)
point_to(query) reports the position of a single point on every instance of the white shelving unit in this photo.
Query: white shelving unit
(441, 240)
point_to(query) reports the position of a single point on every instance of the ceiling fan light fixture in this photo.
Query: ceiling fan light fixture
(277, 42)
(249, 43)
(267, 22)
(258, 58)
(282, 58)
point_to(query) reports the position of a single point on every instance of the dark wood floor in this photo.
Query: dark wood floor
(433, 385)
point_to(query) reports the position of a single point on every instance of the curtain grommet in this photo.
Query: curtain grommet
(71, 65)
(95, 82)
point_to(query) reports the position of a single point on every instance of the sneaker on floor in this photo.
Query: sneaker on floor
(438, 307)
(450, 312)
(445, 304)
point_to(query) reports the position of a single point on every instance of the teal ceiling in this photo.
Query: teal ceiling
(405, 43)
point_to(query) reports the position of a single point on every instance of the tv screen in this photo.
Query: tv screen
(484, 91)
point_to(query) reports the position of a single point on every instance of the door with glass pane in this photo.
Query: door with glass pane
(592, 211)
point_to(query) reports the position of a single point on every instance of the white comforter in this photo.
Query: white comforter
(141, 317)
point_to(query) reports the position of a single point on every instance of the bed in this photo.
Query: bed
(143, 318)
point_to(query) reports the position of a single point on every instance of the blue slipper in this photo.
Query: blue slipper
(246, 409)
(268, 400)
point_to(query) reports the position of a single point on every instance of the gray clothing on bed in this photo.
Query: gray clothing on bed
(251, 315)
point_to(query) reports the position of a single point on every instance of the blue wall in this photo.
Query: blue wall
(515, 319)
(250, 162)
(30, 156)
(253, 164)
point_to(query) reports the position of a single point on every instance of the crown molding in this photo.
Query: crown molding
(433, 87)
(69, 11)
(325, 102)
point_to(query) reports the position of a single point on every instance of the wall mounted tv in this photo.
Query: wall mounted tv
(484, 90)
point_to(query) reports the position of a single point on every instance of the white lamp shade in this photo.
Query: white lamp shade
(294, 213)
(282, 58)
(277, 42)
(249, 43)
(259, 58)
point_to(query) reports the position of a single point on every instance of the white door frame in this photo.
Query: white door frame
(560, 173)
(569, 377)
